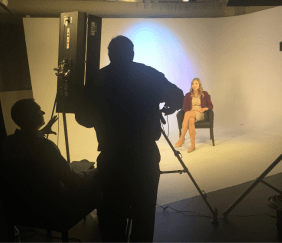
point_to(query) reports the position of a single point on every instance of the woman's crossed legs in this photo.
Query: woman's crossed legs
(188, 123)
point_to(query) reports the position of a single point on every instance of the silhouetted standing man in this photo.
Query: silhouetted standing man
(122, 104)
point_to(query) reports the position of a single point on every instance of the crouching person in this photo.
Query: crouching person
(40, 175)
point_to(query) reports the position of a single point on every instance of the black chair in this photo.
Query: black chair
(207, 123)
(22, 211)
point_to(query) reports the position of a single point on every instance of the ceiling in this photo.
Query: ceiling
(127, 8)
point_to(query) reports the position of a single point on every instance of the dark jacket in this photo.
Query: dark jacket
(123, 104)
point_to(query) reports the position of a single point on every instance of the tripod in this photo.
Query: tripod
(65, 129)
(177, 153)
(214, 219)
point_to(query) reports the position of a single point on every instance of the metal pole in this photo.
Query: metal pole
(66, 137)
(53, 109)
(187, 171)
(233, 205)
(272, 187)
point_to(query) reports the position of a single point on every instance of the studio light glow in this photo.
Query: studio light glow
(156, 45)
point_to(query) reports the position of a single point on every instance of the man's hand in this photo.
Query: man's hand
(47, 129)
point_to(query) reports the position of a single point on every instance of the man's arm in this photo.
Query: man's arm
(172, 96)
(164, 90)
(51, 155)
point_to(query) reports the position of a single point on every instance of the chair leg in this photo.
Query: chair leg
(211, 135)
(65, 236)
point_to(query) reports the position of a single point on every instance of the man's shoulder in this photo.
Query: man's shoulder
(140, 65)
(45, 147)
(17, 146)
(136, 67)
(146, 69)
(11, 140)
(16, 138)
(106, 70)
(8, 140)
(103, 69)
(44, 142)
(188, 94)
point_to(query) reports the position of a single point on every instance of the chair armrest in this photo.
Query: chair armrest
(210, 115)
(180, 113)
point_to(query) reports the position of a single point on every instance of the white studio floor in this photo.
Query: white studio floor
(238, 156)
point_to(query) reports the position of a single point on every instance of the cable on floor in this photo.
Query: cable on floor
(251, 215)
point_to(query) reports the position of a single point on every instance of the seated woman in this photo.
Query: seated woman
(194, 107)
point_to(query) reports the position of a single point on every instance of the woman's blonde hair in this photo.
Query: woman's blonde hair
(200, 90)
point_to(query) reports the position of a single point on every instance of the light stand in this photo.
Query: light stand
(63, 71)
(79, 60)
(259, 179)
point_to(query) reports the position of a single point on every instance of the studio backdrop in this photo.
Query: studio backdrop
(237, 59)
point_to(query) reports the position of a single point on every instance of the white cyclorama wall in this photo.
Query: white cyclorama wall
(247, 71)
(237, 59)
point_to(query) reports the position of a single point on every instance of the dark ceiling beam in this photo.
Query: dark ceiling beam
(237, 3)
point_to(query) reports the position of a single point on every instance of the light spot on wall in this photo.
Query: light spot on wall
(156, 45)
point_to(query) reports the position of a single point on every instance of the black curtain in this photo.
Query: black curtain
(14, 69)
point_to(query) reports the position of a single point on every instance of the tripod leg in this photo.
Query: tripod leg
(214, 220)
(66, 137)
(233, 205)
(55, 102)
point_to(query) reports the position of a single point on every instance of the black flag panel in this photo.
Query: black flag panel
(72, 56)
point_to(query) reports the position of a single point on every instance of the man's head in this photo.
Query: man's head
(27, 114)
(121, 50)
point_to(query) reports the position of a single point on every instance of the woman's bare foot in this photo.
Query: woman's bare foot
(191, 149)
(179, 143)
